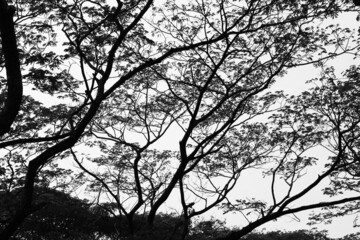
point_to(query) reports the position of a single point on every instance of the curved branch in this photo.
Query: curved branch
(32, 140)
(235, 235)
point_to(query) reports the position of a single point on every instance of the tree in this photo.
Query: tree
(135, 69)
(296, 235)
(60, 217)
(65, 217)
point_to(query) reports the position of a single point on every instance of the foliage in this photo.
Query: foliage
(296, 235)
(101, 84)
(55, 215)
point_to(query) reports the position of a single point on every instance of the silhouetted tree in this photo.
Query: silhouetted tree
(117, 77)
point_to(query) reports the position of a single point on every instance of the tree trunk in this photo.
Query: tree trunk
(12, 66)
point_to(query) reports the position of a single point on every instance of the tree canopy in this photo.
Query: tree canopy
(142, 102)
